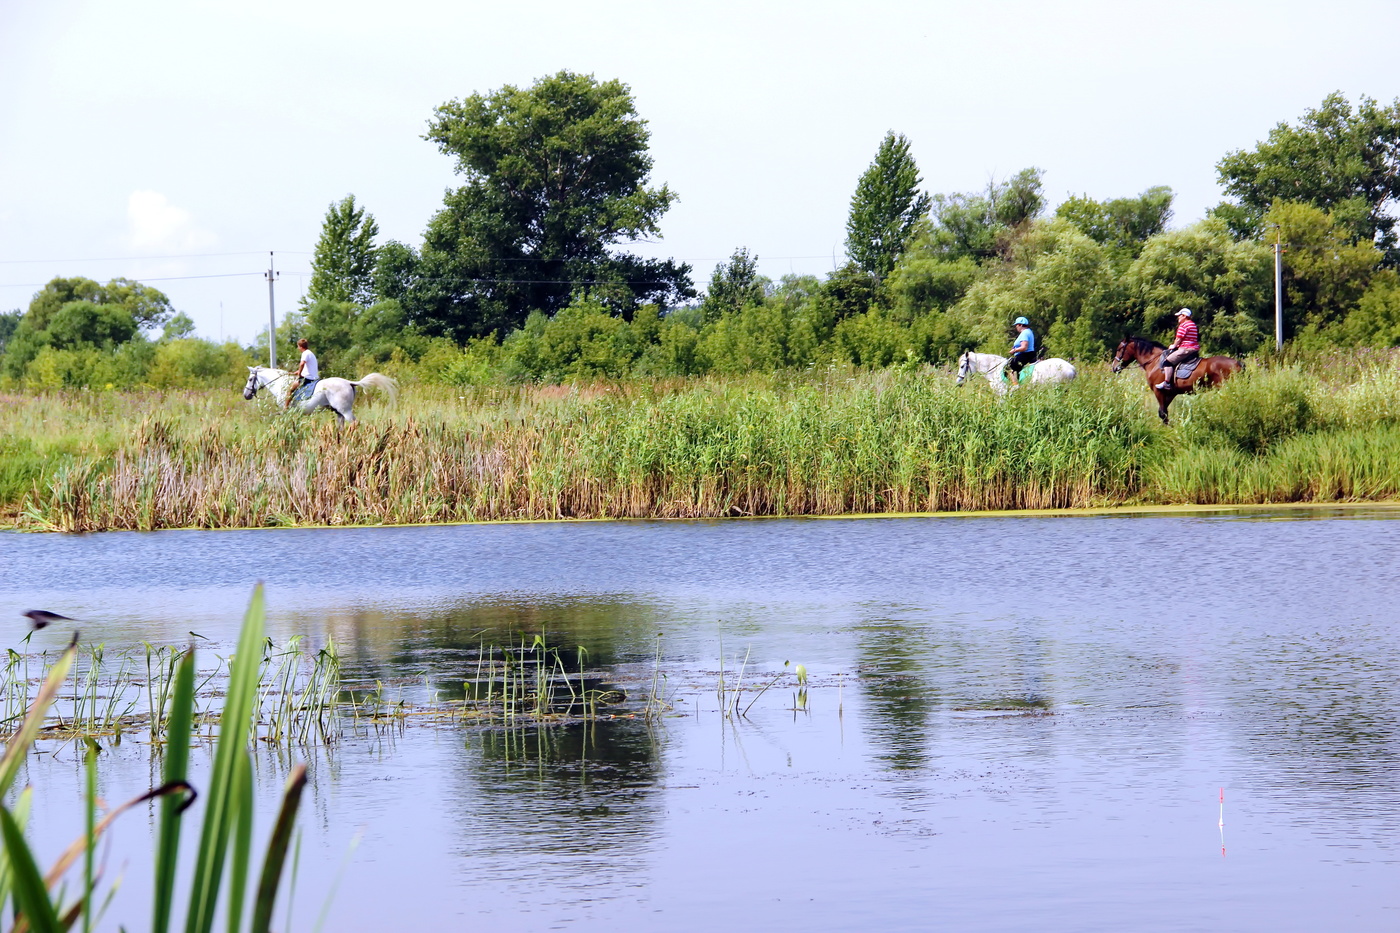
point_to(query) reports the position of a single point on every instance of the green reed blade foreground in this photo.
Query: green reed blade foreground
(226, 834)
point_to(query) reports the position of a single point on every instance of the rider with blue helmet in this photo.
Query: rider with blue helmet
(1022, 351)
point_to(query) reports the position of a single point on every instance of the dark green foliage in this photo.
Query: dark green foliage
(9, 321)
(344, 263)
(1342, 159)
(885, 208)
(982, 225)
(734, 284)
(1120, 223)
(848, 291)
(556, 176)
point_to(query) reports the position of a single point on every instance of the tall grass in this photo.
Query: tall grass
(825, 443)
(45, 904)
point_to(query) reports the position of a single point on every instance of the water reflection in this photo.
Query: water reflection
(1056, 733)
(576, 806)
(444, 643)
(895, 662)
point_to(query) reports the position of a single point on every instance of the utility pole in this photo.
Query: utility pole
(1278, 289)
(271, 315)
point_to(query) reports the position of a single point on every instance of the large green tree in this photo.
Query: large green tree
(1324, 273)
(343, 266)
(734, 284)
(556, 177)
(984, 224)
(1342, 159)
(885, 207)
(1227, 284)
(79, 312)
(1123, 224)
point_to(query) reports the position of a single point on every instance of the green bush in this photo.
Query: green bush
(191, 363)
(1255, 410)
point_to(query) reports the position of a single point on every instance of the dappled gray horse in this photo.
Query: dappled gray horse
(333, 392)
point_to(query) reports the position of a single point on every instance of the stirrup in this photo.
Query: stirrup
(1163, 385)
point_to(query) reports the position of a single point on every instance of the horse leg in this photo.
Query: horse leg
(1164, 398)
(345, 414)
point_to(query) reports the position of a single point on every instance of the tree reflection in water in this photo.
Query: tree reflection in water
(574, 807)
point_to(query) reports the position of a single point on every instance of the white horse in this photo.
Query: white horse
(991, 366)
(334, 393)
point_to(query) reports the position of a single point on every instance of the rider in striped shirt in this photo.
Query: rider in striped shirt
(1186, 346)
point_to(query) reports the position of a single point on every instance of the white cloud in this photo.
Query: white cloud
(156, 224)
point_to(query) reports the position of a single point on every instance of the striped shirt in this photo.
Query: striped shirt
(1188, 337)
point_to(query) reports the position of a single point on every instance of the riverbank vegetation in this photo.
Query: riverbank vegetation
(551, 375)
(825, 442)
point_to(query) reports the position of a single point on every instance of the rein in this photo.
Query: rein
(259, 386)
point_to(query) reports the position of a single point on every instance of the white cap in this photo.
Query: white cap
(1185, 311)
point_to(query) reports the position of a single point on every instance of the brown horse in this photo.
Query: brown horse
(1211, 371)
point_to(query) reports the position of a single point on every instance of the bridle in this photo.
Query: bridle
(965, 365)
(250, 391)
(1118, 361)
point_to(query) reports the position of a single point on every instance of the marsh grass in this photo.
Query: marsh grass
(50, 902)
(301, 700)
(822, 443)
(108, 695)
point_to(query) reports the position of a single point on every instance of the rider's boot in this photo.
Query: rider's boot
(1166, 382)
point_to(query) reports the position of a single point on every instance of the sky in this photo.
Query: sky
(181, 143)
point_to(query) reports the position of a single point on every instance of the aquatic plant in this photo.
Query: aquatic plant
(42, 902)
(296, 700)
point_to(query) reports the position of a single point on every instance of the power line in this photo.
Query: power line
(40, 262)
(167, 278)
(293, 252)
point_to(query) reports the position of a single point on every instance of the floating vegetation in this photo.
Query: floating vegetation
(301, 697)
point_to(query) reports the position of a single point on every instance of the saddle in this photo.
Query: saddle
(1184, 370)
(1025, 374)
(305, 391)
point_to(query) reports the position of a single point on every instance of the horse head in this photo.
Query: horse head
(964, 366)
(1125, 354)
(250, 389)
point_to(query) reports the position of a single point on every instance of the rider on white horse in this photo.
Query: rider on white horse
(1022, 351)
(307, 374)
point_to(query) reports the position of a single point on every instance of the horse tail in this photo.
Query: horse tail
(381, 382)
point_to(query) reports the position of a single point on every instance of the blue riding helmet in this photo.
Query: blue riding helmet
(1021, 320)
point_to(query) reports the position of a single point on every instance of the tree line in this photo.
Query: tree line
(523, 274)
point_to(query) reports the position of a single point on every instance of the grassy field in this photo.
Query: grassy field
(827, 443)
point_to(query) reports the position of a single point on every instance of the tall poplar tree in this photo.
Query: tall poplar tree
(342, 269)
(886, 206)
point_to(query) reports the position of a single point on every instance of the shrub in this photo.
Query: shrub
(1254, 410)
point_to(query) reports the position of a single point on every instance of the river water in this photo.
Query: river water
(1011, 723)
